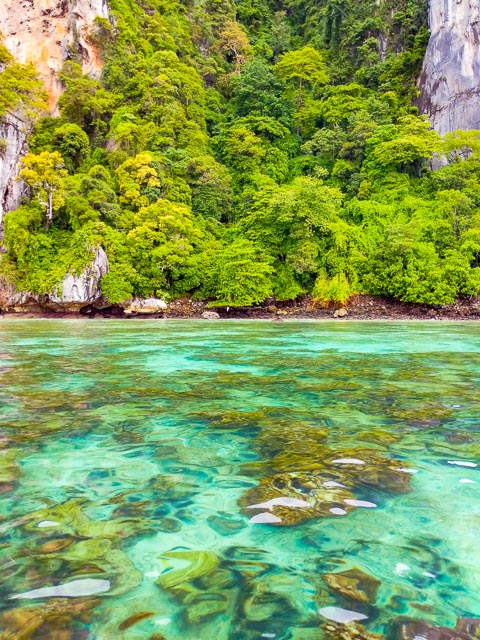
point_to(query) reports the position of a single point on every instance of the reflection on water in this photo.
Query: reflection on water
(241, 480)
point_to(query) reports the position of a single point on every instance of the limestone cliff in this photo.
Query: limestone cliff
(44, 31)
(13, 135)
(450, 79)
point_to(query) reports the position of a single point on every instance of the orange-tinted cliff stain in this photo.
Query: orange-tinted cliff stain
(43, 33)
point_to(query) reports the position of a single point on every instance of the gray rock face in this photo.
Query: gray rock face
(450, 79)
(13, 131)
(75, 292)
(85, 288)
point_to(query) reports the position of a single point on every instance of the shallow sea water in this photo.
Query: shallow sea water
(193, 480)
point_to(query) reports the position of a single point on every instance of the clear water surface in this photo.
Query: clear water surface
(192, 480)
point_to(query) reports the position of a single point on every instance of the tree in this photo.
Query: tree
(211, 188)
(303, 66)
(281, 33)
(45, 174)
(258, 92)
(239, 275)
(20, 87)
(139, 181)
(161, 245)
(234, 43)
(300, 224)
(85, 102)
(404, 146)
(459, 145)
(73, 145)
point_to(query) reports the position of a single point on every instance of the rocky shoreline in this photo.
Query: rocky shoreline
(360, 307)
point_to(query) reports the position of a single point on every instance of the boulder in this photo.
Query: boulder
(340, 313)
(145, 306)
(210, 315)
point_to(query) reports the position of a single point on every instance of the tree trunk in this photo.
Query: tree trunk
(49, 209)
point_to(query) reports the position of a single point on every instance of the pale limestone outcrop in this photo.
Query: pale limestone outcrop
(145, 306)
(75, 291)
(13, 137)
(42, 31)
(84, 288)
(450, 79)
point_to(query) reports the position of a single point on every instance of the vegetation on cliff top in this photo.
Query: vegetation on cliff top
(235, 152)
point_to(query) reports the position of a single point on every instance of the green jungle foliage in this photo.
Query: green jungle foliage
(236, 152)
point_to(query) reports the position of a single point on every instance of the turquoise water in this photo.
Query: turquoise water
(196, 480)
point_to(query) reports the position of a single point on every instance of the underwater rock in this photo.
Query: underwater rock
(284, 492)
(264, 604)
(231, 419)
(84, 550)
(289, 442)
(427, 414)
(310, 474)
(411, 629)
(206, 605)
(69, 518)
(349, 631)
(380, 436)
(224, 524)
(353, 583)
(169, 524)
(173, 487)
(53, 620)
(200, 563)
(134, 619)
(366, 467)
(54, 546)
(469, 625)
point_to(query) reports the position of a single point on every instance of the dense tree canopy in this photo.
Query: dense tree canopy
(235, 152)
